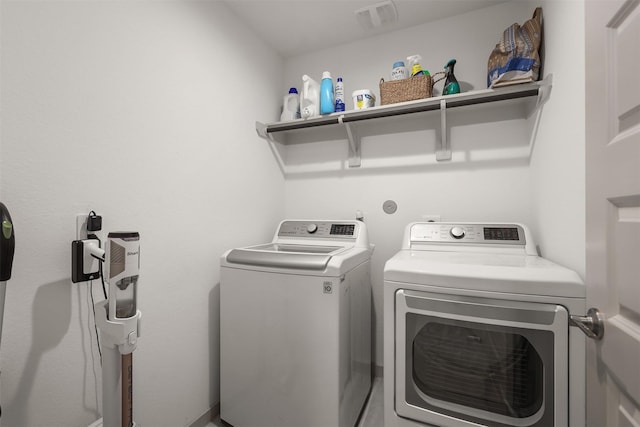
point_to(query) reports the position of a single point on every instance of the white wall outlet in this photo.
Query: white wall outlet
(81, 226)
(431, 218)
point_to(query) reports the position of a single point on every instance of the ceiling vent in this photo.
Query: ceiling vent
(377, 15)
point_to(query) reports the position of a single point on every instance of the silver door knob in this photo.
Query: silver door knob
(592, 324)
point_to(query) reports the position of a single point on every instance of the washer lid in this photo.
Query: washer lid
(505, 273)
(294, 256)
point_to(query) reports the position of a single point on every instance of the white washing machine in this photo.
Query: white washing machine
(295, 327)
(476, 331)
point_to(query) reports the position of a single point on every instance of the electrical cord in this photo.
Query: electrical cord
(94, 223)
(104, 288)
(95, 326)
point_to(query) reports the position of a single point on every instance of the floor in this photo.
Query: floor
(372, 416)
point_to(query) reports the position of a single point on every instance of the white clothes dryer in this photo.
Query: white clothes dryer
(295, 327)
(476, 331)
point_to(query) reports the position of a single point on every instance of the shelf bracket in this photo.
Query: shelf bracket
(544, 91)
(443, 148)
(354, 144)
(261, 129)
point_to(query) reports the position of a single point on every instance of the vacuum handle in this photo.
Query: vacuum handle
(7, 243)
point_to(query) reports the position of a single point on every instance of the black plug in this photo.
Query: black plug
(94, 222)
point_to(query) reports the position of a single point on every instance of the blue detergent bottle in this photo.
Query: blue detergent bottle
(327, 101)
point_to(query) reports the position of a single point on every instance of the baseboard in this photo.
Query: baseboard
(215, 411)
(210, 415)
(377, 371)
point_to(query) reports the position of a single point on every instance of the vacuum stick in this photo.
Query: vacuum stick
(119, 319)
(127, 390)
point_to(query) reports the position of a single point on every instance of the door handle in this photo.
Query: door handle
(592, 324)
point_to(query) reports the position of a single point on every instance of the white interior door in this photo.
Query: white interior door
(613, 208)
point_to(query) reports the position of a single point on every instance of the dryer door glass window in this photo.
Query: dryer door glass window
(486, 373)
(492, 370)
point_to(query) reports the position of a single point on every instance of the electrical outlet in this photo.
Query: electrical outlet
(81, 226)
(86, 254)
(431, 218)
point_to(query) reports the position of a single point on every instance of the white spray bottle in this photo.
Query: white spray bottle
(414, 65)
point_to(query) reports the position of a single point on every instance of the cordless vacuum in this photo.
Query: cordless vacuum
(7, 248)
(118, 319)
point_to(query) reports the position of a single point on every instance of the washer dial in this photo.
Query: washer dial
(312, 228)
(457, 232)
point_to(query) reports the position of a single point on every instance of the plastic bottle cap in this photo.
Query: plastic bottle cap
(339, 79)
(326, 75)
(398, 64)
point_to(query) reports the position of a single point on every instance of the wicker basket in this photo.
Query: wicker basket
(417, 87)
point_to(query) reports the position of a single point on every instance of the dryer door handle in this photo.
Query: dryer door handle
(592, 324)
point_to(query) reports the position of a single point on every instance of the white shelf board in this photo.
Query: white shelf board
(534, 93)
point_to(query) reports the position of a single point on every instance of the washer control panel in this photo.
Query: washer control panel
(438, 232)
(319, 229)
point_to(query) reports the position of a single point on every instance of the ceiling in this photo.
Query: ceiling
(293, 27)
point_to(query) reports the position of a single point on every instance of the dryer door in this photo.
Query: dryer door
(467, 361)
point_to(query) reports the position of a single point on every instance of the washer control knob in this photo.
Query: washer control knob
(457, 232)
(312, 228)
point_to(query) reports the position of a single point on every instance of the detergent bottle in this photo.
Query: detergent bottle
(327, 96)
(291, 106)
(451, 84)
(339, 94)
(398, 72)
(309, 98)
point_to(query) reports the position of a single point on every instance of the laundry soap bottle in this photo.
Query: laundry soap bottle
(339, 95)
(327, 100)
(291, 106)
(451, 84)
(309, 98)
(416, 68)
(398, 72)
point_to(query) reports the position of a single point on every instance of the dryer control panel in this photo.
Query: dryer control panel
(468, 233)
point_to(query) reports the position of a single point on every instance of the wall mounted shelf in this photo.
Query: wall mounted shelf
(535, 93)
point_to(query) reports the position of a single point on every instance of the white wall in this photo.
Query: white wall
(558, 160)
(489, 177)
(143, 111)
